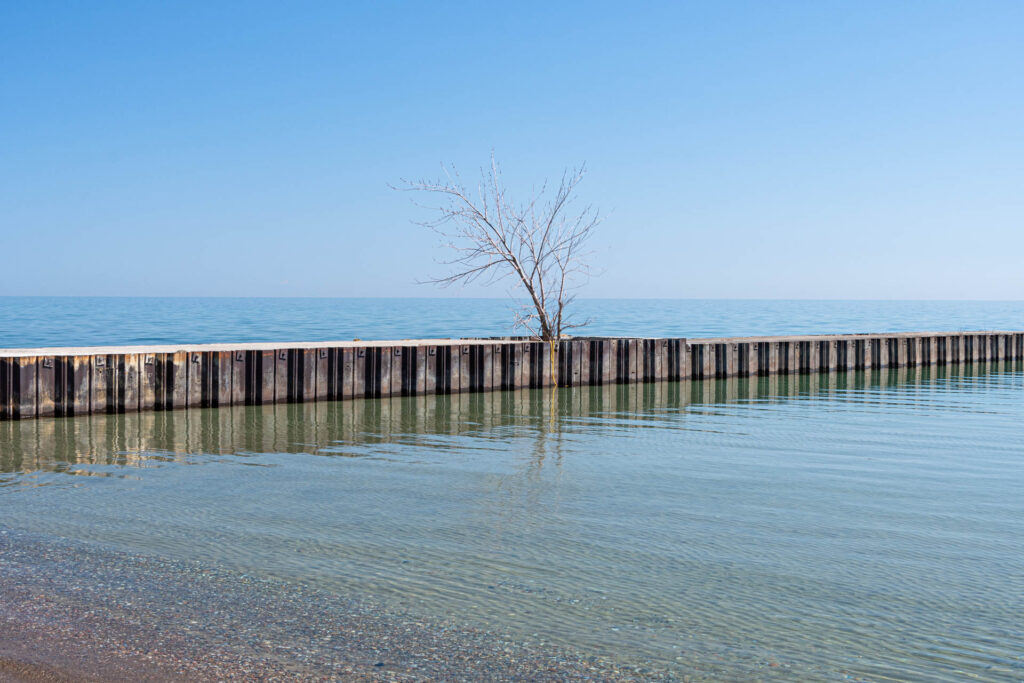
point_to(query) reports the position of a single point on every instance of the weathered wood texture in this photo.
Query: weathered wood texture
(66, 382)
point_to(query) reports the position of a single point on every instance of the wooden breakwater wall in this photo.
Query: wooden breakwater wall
(79, 381)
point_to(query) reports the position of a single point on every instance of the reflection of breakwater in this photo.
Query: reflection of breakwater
(328, 428)
(64, 382)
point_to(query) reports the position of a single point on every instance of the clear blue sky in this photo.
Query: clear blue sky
(761, 149)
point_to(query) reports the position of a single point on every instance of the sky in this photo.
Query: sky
(819, 150)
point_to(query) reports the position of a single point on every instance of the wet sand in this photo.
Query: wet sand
(73, 612)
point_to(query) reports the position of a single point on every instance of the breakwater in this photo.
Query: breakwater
(79, 381)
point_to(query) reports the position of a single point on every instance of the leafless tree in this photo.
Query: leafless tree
(539, 244)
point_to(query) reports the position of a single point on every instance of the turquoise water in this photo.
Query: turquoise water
(67, 321)
(791, 528)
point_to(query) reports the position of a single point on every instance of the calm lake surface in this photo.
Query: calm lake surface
(850, 526)
(71, 321)
(863, 525)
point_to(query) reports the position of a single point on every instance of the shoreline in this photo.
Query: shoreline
(75, 612)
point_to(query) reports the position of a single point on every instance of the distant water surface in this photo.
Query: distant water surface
(87, 321)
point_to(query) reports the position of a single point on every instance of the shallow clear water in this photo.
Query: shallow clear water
(85, 321)
(864, 525)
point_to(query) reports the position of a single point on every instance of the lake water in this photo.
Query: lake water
(68, 321)
(794, 528)
(854, 526)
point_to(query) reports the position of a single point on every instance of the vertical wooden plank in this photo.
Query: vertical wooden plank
(575, 363)
(281, 376)
(814, 362)
(401, 359)
(27, 381)
(309, 378)
(455, 367)
(707, 353)
(320, 374)
(588, 371)
(421, 369)
(608, 347)
(430, 370)
(504, 367)
(538, 363)
(523, 372)
(753, 354)
(386, 368)
(46, 367)
(102, 374)
(523, 358)
(636, 361)
(129, 383)
(465, 377)
(147, 382)
(672, 361)
(348, 373)
(502, 364)
(178, 386)
(333, 363)
(161, 380)
(238, 366)
(565, 361)
(359, 359)
(224, 361)
(509, 366)
(487, 371)
(267, 377)
(197, 365)
(660, 360)
(6, 381)
(685, 359)
(628, 351)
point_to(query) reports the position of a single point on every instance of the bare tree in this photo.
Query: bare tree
(539, 244)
